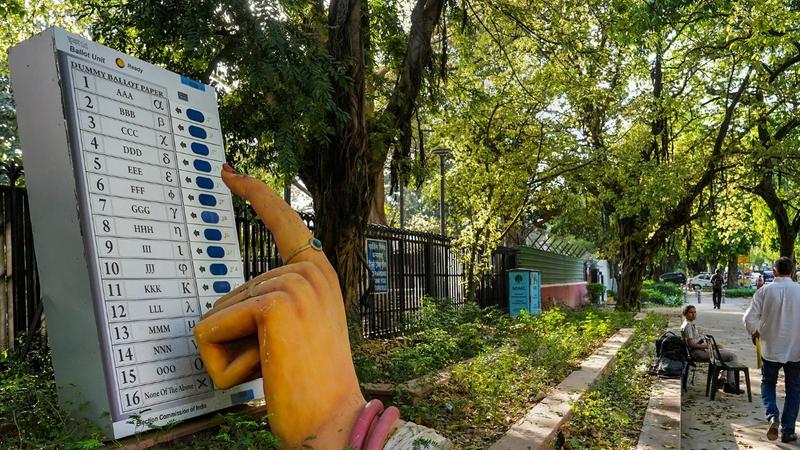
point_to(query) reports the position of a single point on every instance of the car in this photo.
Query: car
(769, 277)
(674, 277)
(754, 278)
(699, 281)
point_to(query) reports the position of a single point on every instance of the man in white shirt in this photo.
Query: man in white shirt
(773, 317)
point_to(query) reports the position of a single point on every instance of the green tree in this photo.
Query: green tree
(327, 92)
(507, 152)
(21, 20)
(638, 82)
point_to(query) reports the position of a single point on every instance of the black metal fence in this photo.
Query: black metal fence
(418, 265)
(20, 301)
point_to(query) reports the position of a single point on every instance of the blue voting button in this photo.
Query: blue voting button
(212, 234)
(218, 269)
(197, 132)
(215, 252)
(195, 115)
(220, 287)
(195, 84)
(202, 166)
(207, 200)
(205, 183)
(209, 217)
(199, 148)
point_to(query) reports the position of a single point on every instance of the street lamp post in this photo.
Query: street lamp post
(442, 153)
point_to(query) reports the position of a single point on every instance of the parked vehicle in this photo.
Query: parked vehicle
(754, 278)
(699, 281)
(674, 277)
(769, 277)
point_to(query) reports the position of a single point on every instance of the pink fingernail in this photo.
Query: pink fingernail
(228, 168)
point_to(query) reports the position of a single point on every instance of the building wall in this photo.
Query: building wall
(563, 280)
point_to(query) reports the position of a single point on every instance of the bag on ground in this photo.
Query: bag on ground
(670, 356)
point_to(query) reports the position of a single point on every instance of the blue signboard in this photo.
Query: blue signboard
(524, 292)
(535, 293)
(378, 262)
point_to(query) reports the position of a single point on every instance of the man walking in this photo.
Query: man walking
(773, 317)
(716, 288)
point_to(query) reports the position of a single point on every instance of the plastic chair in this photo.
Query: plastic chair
(716, 365)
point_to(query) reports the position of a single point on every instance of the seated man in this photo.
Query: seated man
(701, 349)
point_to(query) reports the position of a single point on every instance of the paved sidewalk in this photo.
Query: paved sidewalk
(729, 422)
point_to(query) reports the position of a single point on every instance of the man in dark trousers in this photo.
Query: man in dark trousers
(716, 287)
(773, 317)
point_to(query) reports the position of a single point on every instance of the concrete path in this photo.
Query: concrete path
(729, 422)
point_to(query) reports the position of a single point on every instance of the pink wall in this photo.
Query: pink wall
(571, 294)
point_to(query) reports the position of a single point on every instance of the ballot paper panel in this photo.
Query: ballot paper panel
(158, 226)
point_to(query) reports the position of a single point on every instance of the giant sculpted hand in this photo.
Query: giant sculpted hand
(289, 327)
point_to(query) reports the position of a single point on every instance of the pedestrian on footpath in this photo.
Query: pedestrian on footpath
(716, 288)
(701, 350)
(773, 317)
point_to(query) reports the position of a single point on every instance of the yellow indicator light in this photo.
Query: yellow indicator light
(120, 63)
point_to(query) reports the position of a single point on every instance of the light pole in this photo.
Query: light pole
(442, 153)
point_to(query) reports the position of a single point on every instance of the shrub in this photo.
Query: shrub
(439, 335)
(595, 292)
(661, 293)
(28, 400)
(740, 292)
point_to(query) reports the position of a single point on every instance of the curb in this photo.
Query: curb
(541, 424)
(662, 422)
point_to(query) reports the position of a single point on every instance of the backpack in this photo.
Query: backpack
(717, 280)
(670, 356)
(672, 346)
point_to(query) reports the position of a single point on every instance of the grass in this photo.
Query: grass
(439, 336)
(610, 415)
(515, 362)
(486, 395)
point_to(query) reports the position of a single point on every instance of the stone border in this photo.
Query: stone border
(541, 424)
(662, 421)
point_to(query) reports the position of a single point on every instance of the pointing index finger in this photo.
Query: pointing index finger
(290, 232)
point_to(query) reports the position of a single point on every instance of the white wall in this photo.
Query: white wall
(605, 269)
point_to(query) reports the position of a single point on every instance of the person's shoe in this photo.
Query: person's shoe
(728, 389)
(772, 433)
(788, 437)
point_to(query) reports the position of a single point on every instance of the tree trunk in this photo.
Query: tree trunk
(342, 176)
(733, 268)
(786, 235)
(377, 213)
(634, 262)
(630, 281)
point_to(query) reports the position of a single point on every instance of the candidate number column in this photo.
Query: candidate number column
(141, 240)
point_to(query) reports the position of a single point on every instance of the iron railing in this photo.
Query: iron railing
(419, 265)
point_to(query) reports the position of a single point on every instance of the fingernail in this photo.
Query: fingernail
(227, 168)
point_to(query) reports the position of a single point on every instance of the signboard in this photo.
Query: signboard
(524, 292)
(378, 263)
(535, 290)
(134, 230)
(743, 259)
